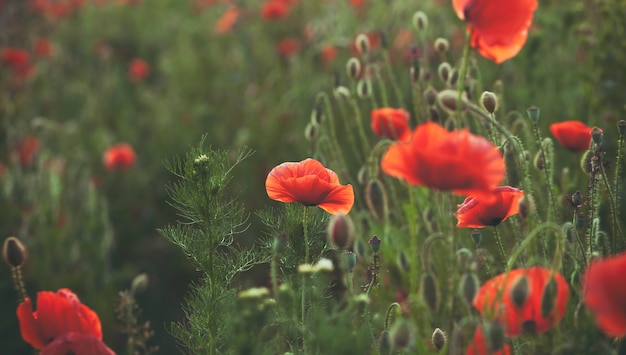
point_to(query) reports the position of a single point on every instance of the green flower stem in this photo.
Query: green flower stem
(392, 78)
(548, 172)
(391, 307)
(381, 84)
(349, 131)
(304, 276)
(462, 73)
(578, 240)
(558, 255)
(616, 228)
(361, 127)
(500, 247)
(618, 168)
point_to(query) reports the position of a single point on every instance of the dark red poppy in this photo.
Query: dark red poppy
(77, 343)
(311, 184)
(457, 161)
(275, 10)
(478, 212)
(524, 300)
(119, 157)
(480, 345)
(138, 70)
(604, 293)
(57, 314)
(499, 28)
(391, 123)
(574, 136)
(18, 60)
(27, 150)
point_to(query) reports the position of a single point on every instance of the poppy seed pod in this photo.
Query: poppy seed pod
(14, 252)
(353, 68)
(362, 44)
(443, 71)
(430, 292)
(439, 339)
(489, 101)
(441, 45)
(341, 231)
(621, 127)
(533, 113)
(374, 243)
(420, 21)
(520, 291)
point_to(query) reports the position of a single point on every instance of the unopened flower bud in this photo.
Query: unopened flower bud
(441, 45)
(14, 252)
(364, 89)
(420, 21)
(353, 68)
(430, 292)
(489, 101)
(362, 44)
(317, 115)
(401, 335)
(349, 260)
(539, 162)
(435, 116)
(342, 93)
(453, 78)
(384, 343)
(438, 339)
(585, 162)
(469, 287)
(430, 94)
(449, 99)
(341, 231)
(533, 113)
(444, 71)
(526, 206)
(621, 127)
(596, 135)
(520, 291)
(376, 199)
(403, 261)
(374, 243)
(477, 236)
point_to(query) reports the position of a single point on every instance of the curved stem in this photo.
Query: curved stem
(391, 307)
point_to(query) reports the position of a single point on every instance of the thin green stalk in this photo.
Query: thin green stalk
(616, 228)
(304, 276)
(381, 84)
(618, 168)
(500, 247)
(361, 128)
(462, 73)
(389, 309)
(349, 132)
(548, 172)
(392, 78)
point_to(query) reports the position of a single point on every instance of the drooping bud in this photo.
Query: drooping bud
(341, 231)
(449, 99)
(384, 343)
(444, 71)
(596, 135)
(139, 284)
(520, 291)
(364, 88)
(430, 94)
(533, 113)
(585, 162)
(401, 335)
(454, 78)
(374, 243)
(526, 206)
(353, 68)
(14, 252)
(469, 287)
(439, 339)
(342, 93)
(569, 232)
(317, 115)
(435, 116)
(376, 199)
(420, 21)
(539, 162)
(311, 131)
(430, 292)
(362, 44)
(489, 101)
(441, 45)
(548, 301)
(621, 127)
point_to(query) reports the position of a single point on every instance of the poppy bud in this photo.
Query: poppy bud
(364, 88)
(548, 301)
(441, 45)
(376, 199)
(374, 243)
(280, 242)
(494, 336)
(353, 68)
(359, 249)
(341, 92)
(539, 162)
(577, 199)
(434, 114)
(526, 156)
(533, 113)
(139, 284)
(443, 71)
(384, 343)
(415, 71)
(489, 101)
(401, 335)
(430, 293)
(311, 132)
(448, 100)
(596, 135)
(420, 21)
(430, 94)
(439, 339)
(621, 127)
(349, 259)
(317, 115)
(469, 287)
(14, 252)
(520, 291)
(362, 44)
(585, 162)
(477, 236)
(384, 41)
(454, 78)
(341, 231)
(569, 232)
(403, 261)
(526, 206)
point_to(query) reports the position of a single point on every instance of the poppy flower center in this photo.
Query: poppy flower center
(529, 327)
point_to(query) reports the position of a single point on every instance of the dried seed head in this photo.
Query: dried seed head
(441, 45)
(489, 101)
(430, 292)
(376, 199)
(469, 287)
(341, 231)
(353, 68)
(420, 21)
(14, 252)
(533, 113)
(444, 71)
(439, 339)
(520, 291)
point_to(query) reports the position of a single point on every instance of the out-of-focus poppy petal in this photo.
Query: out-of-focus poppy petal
(28, 325)
(77, 343)
(476, 212)
(574, 136)
(479, 345)
(339, 200)
(391, 123)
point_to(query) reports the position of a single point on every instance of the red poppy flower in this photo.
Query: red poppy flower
(42, 47)
(274, 10)
(18, 60)
(227, 20)
(27, 149)
(77, 343)
(458, 161)
(119, 157)
(288, 47)
(604, 293)
(391, 123)
(138, 70)
(499, 28)
(480, 346)
(525, 300)
(311, 184)
(574, 136)
(328, 53)
(57, 314)
(476, 212)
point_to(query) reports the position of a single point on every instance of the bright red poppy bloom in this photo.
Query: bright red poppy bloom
(138, 70)
(457, 161)
(524, 300)
(574, 136)
(119, 157)
(391, 123)
(275, 10)
(311, 184)
(476, 212)
(77, 343)
(57, 314)
(18, 60)
(499, 28)
(480, 346)
(604, 293)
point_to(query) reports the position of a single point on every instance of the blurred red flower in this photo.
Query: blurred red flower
(457, 161)
(42, 47)
(27, 149)
(57, 315)
(288, 47)
(272, 10)
(475, 212)
(604, 293)
(56, 8)
(138, 70)
(480, 346)
(311, 184)
(77, 343)
(524, 300)
(498, 28)
(328, 53)
(119, 157)
(574, 136)
(226, 22)
(391, 123)
(18, 60)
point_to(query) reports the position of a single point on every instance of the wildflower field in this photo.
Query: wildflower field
(312, 177)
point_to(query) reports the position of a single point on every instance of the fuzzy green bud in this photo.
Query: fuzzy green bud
(477, 236)
(317, 115)
(349, 260)
(403, 261)
(374, 243)
(454, 78)
(401, 335)
(489, 101)
(376, 199)
(444, 71)
(420, 21)
(430, 292)
(384, 343)
(363, 44)
(14, 252)
(341, 231)
(342, 93)
(439, 339)
(585, 162)
(449, 100)
(596, 135)
(539, 163)
(441, 45)
(430, 94)
(311, 131)
(353, 68)
(621, 127)
(469, 287)
(364, 88)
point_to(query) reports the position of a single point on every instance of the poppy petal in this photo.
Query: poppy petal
(28, 325)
